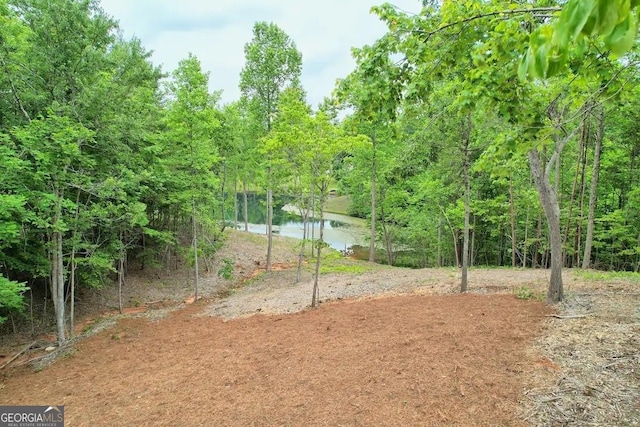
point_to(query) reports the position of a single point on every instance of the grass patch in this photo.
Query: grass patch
(344, 268)
(605, 276)
(258, 239)
(329, 255)
(338, 205)
(527, 293)
(254, 279)
(334, 262)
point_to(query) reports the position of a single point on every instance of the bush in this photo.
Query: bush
(226, 271)
(526, 293)
(11, 296)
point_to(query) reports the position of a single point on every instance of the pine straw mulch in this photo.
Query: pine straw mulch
(395, 361)
(592, 359)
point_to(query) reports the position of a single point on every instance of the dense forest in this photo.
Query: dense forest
(474, 133)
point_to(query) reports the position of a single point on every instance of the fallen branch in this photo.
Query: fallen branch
(28, 362)
(620, 359)
(18, 354)
(573, 316)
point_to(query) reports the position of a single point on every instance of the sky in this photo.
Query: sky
(215, 31)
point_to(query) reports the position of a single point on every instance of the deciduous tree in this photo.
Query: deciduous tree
(273, 63)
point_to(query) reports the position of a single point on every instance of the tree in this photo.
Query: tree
(232, 157)
(190, 149)
(272, 63)
(372, 90)
(328, 141)
(586, 259)
(56, 146)
(466, 136)
(288, 147)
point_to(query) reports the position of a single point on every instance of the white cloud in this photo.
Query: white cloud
(216, 32)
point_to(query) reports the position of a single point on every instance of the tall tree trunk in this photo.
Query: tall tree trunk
(454, 235)
(305, 220)
(440, 242)
(512, 212)
(584, 134)
(320, 243)
(466, 136)
(46, 288)
(72, 273)
(593, 195)
(245, 205)
(235, 204)
(269, 197)
(304, 212)
(72, 296)
(536, 258)
(121, 275)
(557, 175)
(195, 247)
(223, 197)
(269, 221)
(387, 238)
(549, 201)
(57, 269)
(465, 243)
(372, 243)
(313, 212)
(472, 251)
(57, 286)
(525, 248)
(637, 269)
(583, 192)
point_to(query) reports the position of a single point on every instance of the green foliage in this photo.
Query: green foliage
(11, 296)
(550, 45)
(226, 271)
(526, 293)
(191, 122)
(273, 63)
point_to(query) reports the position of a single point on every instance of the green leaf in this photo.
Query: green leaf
(623, 36)
(608, 15)
(572, 21)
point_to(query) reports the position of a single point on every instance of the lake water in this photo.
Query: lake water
(340, 231)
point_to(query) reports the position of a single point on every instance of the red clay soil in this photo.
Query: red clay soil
(398, 361)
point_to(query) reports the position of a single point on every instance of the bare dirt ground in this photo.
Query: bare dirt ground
(386, 347)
